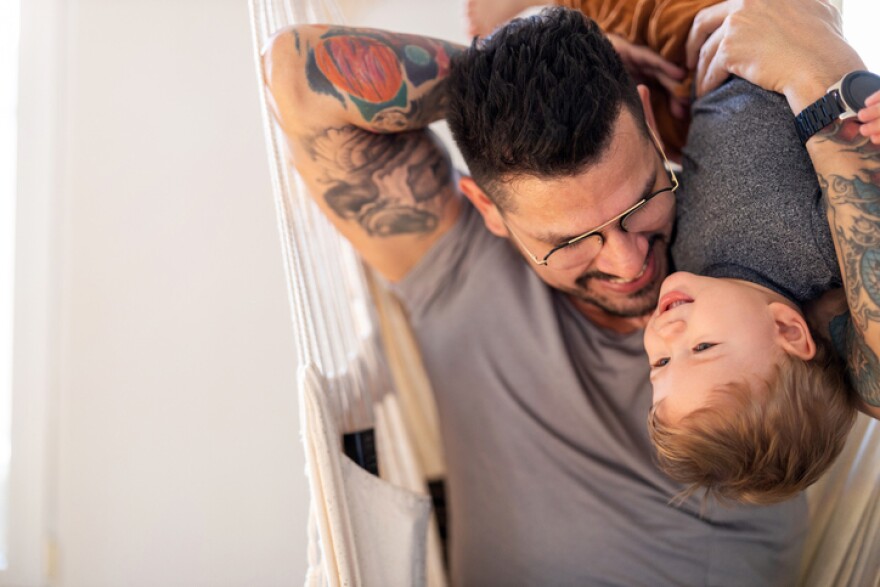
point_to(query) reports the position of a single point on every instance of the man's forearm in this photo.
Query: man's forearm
(372, 79)
(343, 98)
(848, 166)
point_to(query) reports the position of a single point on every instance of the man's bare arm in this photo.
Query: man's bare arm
(849, 174)
(354, 104)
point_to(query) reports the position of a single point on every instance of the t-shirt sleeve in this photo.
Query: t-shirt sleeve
(444, 268)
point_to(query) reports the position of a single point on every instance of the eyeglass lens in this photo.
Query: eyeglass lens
(653, 215)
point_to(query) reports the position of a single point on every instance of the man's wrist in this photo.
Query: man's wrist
(805, 93)
(843, 100)
(810, 86)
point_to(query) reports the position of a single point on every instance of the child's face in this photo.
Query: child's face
(708, 332)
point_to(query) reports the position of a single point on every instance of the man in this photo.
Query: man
(542, 391)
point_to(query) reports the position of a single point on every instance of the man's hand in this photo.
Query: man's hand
(794, 47)
(870, 118)
(644, 65)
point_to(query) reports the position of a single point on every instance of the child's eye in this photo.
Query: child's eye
(703, 346)
(660, 362)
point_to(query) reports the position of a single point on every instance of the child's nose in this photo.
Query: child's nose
(670, 329)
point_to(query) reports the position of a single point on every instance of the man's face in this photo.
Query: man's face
(623, 280)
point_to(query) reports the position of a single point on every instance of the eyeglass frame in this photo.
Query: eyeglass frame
(620, 217)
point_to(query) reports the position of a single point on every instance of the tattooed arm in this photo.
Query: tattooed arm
(848, 166)
(354, 105)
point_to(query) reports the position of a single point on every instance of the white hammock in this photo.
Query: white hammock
(365, 530)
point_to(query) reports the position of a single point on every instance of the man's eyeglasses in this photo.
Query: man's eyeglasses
(651, 213)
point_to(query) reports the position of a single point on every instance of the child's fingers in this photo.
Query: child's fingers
(869, 113)
(871, 129)
(870, 117)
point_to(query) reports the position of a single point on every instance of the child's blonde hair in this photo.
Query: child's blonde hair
(761, 446)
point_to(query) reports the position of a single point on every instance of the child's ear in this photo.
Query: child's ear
(793, 334)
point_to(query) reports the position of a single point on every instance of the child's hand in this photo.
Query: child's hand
(870, 118)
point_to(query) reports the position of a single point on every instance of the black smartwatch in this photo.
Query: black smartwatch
(843, 100)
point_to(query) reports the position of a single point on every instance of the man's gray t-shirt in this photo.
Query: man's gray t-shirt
(550, 479)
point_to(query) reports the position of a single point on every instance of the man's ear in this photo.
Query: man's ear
(645, 95)
(793, 334)
(488, 210)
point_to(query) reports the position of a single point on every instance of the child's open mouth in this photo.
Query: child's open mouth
(672, 300)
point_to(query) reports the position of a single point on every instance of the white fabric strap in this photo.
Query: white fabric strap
(363, 530)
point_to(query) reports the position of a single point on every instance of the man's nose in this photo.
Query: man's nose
(623, 254)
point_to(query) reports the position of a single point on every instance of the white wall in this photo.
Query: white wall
(178, 457)
(860, 18)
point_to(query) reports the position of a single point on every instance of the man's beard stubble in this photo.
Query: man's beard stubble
(637, 304)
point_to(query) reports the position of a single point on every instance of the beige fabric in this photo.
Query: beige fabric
(411, 381)
(843, 547)
(411, 413)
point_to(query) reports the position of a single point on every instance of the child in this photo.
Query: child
(748, 401)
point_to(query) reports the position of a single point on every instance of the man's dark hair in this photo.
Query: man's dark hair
(539, 97)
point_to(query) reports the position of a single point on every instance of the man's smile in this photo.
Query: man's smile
(619, 285)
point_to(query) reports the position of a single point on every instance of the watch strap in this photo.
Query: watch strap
(819, 114)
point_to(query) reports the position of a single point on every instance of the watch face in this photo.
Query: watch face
(857, 86)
